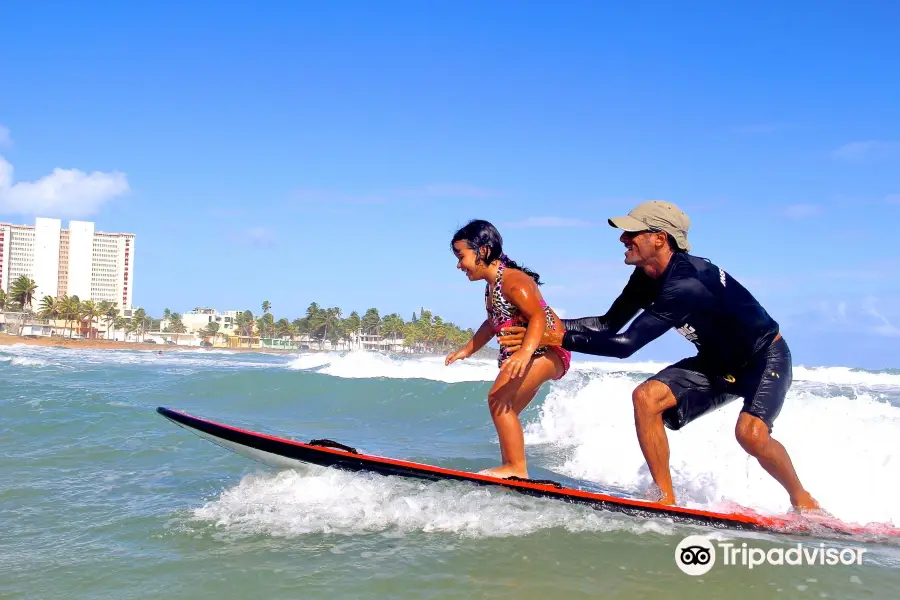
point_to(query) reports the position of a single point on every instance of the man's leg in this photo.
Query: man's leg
(761, 407)
(651, 399)
(672, 398)
(753, 435)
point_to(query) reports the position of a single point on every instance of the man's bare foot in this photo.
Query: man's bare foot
(654, 494)
(504, 471)
(667, 499)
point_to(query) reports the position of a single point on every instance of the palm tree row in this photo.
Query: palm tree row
(424, 332)
(73, 310)
(69, 309)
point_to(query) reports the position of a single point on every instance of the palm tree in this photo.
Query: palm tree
(439, 332)
(3, 300)
(266, 307)
(138, 322)
(211, 331)
(167, 315)
(371, 322)
(352, 324)
(108, 313)
(48, 309)
(89, 312)
(120, 323)
(266, 325)
(244, 322)
(330, 317)
(70, 310)
(176, 326)
(312, 310)
(23, 290)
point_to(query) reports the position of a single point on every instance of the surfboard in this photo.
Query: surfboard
(287, 454)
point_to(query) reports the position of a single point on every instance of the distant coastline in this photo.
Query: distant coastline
(85, 344)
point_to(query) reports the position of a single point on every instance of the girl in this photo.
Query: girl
(511, 299)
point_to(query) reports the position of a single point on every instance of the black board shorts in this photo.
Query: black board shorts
(699, 387)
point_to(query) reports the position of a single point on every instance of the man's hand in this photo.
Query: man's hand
(512, 338)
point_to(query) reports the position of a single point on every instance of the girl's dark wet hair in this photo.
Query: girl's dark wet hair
(480, 234)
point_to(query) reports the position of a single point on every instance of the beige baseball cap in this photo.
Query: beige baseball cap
(658, 215)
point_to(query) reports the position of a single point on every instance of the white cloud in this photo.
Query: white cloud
(5, 138)
(860, 317)
(62, 193)
(802, 211)
(885, 327)
(866, 150)
(548, 222)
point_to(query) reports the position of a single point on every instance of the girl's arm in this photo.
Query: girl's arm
(481, 337)
(521, 290)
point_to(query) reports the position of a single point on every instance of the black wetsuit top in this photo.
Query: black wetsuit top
(705, 304)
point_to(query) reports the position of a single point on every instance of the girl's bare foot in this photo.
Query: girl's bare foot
(504, 471)
(805, 502)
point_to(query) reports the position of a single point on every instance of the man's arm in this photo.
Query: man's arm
(670, 308)
(621, 311)
(644, 330)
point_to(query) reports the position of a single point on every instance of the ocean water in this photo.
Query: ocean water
(100, 497)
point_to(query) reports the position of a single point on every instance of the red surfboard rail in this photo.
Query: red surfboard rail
(331, 454)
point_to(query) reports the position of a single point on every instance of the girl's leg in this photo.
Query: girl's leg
(506, 400)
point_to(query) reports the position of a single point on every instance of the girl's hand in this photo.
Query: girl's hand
(454, 356)
(517, 364)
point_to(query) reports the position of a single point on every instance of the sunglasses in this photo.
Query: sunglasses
(634, 234)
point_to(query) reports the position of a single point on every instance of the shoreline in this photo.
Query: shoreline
(11, 340)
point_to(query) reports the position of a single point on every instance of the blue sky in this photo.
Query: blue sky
(300, 153)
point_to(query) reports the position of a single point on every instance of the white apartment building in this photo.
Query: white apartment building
(69, 262)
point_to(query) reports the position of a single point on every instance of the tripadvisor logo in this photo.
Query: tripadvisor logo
(695, 555)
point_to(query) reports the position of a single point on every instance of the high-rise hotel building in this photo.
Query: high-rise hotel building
(77, 261)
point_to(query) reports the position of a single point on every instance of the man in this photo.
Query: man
(740, 351)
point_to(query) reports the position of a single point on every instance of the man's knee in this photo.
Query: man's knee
(652, 397)
(752, 433)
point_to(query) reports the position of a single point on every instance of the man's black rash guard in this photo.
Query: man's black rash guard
(705, 304)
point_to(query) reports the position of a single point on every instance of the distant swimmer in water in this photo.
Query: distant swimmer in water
(511, 298)
(159, 353)
(740, 350)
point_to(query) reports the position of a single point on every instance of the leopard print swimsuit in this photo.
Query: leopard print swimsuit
(503, 313)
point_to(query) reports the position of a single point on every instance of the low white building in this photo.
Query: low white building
(199, 319)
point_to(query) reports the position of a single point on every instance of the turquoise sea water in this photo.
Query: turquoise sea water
(100, 497)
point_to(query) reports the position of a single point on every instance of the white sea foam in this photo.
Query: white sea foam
(364, 365)
(79, 358)
(372, 365)
(24, 361)
(290, 503)
(844, 448)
